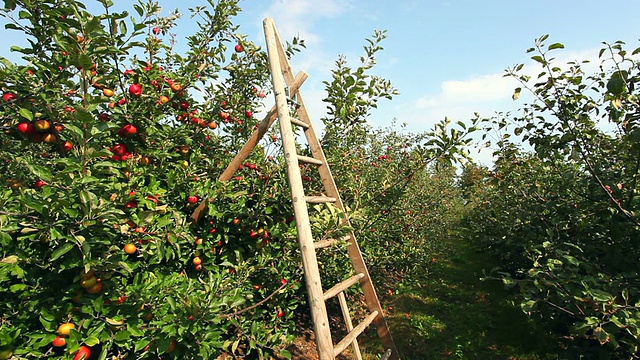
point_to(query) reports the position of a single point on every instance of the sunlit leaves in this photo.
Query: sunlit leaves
(550, 208)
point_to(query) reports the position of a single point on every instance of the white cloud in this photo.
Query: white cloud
(475, 90)
(297, 17)
(487, 94)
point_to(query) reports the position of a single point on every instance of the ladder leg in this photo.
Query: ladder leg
(347, 320)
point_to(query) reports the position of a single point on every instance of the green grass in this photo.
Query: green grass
(453, 314)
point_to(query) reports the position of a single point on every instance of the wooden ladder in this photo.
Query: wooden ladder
(286, 89)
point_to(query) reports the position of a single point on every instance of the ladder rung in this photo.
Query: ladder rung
(299, 122)
(309, 160)
(353, 334)
(340, 287)
(386, 355)
(329, 242)
(319, 199)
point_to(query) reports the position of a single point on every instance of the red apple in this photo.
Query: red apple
(42, 125)
(156, 30)
(119, 149)
(192, 199)
(239, 48)
(26, 128)
(67, 146)
(248, 114)
(152, 198)
(128, 130)
(59, 341)
(50, 138)
(40, 183)
(135, 89)
(8, 97)
(83, 353)
(183, 150)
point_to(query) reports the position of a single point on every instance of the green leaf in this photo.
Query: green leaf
(556, 46)
(17, 288)
(47, 320)
(77, 132)
(91, 341)
(123, 27)
(55, 234)
(516, 94)
(134, 331)
(528, 306)
(601, 335)
(65, 248)
(85, 61)
(122, 335)
(138, 9)
(40, 172)
(172, 303)
(538, 58)
(25, 113)
(83, 115)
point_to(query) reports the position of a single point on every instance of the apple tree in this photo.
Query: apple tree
(110, 139)
(400, 185)
(562, 216)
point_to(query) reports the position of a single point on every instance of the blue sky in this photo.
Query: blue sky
(445, 57)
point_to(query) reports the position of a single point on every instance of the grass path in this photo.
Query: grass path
(452, 314)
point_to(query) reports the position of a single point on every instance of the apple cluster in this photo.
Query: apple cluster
(40, 130)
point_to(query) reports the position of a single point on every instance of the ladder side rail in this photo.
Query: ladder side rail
(287, 73)
(305, 238)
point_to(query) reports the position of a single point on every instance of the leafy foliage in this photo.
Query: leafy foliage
(400, 185)
(107, 148)
(563, 218)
